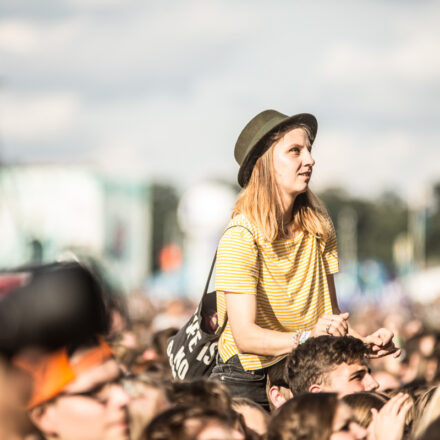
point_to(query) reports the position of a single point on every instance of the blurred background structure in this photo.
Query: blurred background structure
(118, 121)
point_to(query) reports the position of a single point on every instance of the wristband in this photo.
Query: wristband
(296, 339)
(304, 336)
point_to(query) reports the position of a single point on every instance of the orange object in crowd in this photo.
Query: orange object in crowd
(170, 257)
(54, 372)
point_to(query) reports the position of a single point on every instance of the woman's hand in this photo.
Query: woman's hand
(380, 343)
(328, 324)
(389, 422)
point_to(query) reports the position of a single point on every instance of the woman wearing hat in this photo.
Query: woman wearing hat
(276, 260)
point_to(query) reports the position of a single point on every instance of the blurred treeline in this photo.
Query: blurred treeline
(381, 220)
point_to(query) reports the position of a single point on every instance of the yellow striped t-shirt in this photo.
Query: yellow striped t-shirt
(289, 277)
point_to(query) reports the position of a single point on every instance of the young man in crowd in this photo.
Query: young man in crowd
(330, 364)
(77, 394)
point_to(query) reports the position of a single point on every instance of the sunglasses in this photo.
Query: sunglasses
(100, 393)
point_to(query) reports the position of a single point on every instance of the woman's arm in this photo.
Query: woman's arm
(253, 339)
(249, 337)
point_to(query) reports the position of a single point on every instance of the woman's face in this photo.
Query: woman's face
(293, 163)
(344, 428)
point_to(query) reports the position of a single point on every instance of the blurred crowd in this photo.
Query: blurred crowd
(78, 361)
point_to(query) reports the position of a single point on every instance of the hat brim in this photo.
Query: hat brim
(260, 145)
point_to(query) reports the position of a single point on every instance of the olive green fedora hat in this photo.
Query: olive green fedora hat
(251, 143)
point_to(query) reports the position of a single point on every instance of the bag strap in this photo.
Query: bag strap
(205, 291)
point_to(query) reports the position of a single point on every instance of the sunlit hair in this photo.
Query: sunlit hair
(240, 404)
(361, 404)
(308, 416)
(430, 415)
(420, 407)
(186, 423)
(200, 392)
(260, 201)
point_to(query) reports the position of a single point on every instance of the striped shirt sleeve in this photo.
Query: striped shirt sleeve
(236, 269)
(330, 254)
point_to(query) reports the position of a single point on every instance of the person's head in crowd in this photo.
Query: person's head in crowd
(255, 416)
(204, 392)
(329, 363)
(277, 388)
(15, 386)
(160, 341)
(431, 432)
(390, 421)
(422, 357)
(45, 308)
(158, 367)
(314, 416)
(77, 394)
(430, 349)
(147, 399)
(142, 311)
(192, 423)
(386, 380)
(421, 402)
(361, 404)
(429, 414)
(57, 304)
(414, 390)
(152, 357)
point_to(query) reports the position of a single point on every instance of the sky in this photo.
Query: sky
(162, 89)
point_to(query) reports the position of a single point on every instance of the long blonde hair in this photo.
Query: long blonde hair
(259, 201)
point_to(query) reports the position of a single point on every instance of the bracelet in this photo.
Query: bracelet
(296, 339)
(304, 336)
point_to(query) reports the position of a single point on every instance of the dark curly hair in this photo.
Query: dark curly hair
(310, 362)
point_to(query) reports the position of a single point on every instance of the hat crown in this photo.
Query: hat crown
(254, 130)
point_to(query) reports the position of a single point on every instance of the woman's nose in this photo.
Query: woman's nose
(308, 160)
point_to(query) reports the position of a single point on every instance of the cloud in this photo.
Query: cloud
(17, 36)
(37, 117)
(393, 160)
(24, 37)
(405, 52)
(411, 60)
(165, 88)
(145, 49)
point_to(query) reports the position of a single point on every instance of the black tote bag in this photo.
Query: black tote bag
(193, 349)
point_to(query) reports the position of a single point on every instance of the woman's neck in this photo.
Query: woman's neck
(287, 210)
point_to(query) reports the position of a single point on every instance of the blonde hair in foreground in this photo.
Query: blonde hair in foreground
(259, 201)
(430, 415)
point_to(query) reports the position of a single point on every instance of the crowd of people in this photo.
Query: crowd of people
(78, 363)
(113, 380)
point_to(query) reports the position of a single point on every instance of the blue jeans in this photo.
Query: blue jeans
(241, 383)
